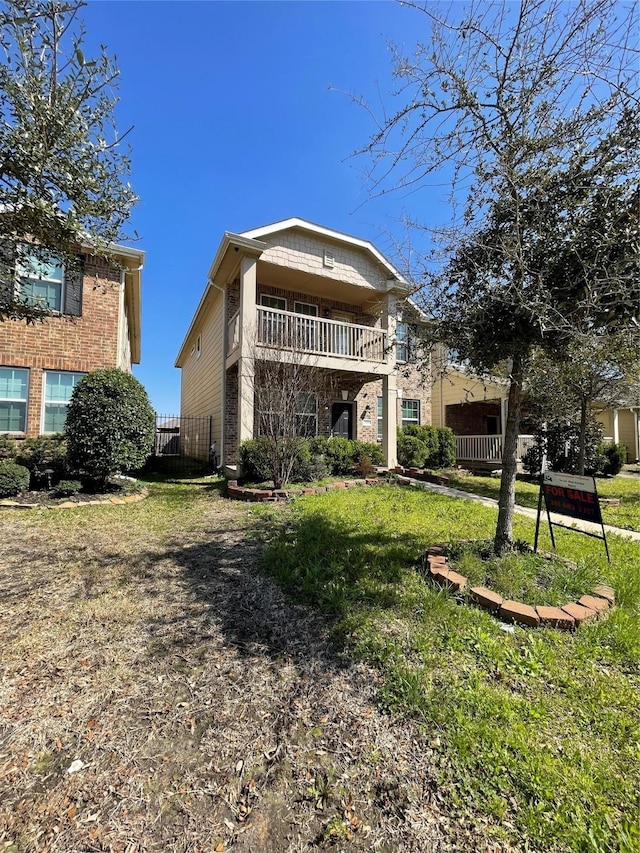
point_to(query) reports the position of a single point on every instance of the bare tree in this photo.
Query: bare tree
(288, 390)
(516, 104)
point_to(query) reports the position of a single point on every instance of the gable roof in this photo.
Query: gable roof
(321, 231)
(251, 243)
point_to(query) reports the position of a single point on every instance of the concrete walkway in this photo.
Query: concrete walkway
(587, 526)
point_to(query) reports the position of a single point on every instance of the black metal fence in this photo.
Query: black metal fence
(183, 445)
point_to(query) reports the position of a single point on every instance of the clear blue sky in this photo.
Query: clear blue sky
(237, 124)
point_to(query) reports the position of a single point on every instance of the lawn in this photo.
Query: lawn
(358, 710)
(627, 515)
(535, 733)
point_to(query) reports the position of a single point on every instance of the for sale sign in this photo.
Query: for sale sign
(570, 495)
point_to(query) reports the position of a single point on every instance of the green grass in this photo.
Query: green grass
(627, 515)
(537, 732)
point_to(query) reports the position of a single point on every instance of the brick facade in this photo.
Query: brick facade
(474, 418)
(64, 343)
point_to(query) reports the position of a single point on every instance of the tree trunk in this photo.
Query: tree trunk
(582, 438)
(503, 540)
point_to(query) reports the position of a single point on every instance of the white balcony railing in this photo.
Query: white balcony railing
(487, 448)
(288, 331)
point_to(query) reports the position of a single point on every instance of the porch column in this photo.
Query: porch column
(246, 362)
(390, 420)
(246, 372)
(616, 427)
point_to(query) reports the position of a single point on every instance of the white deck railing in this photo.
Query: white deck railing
(487, 448)
(288, 331)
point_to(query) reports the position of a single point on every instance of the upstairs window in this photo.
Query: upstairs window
(58, 387)
(41, 282)
(405, 343)
(14, 387)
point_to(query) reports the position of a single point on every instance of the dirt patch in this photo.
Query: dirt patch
(208, 713)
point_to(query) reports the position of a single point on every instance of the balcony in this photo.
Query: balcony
(284, 330)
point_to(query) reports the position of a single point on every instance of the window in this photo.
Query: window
(273, 326)
(273, 302)
(306, 329)
(14, 385)
(57, 393)
(410, 412)
(379, 401)
(402, 342)
(306, 415)
(41, 282)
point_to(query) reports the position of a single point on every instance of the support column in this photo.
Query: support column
(390, 420)
(246, 375)
(246, 362)
(636, 433)
(616, 427)
(389, 386)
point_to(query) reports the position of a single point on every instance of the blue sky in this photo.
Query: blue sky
(242, 117)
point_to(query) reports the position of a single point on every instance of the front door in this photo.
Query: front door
(342, 419)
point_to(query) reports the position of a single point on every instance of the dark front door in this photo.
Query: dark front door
(342, 419)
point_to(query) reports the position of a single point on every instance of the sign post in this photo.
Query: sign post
(573, 496)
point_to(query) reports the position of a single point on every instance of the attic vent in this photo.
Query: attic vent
(329, 259)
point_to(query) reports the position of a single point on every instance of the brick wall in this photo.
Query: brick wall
(471, 418)
(77, 344)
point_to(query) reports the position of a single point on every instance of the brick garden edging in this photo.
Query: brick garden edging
(113, 501)
(567, 617)
(247, 494)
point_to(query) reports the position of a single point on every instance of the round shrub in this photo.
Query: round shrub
(14, 478)
(66, 488)
(412, 452)
(615, 456)
(110, 425)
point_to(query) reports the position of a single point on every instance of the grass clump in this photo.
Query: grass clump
(522, 575)
(537, 732)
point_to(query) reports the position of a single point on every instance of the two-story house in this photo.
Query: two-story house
(94, 323)
(299, 291)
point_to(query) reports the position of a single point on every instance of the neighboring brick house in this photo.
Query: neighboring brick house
(346, 306)
(95, 323)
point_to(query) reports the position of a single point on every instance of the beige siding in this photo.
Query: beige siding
(454, 388)
(297, 250)
(626, 428)
(202, 374)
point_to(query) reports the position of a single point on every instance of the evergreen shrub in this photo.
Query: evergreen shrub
(14, 478)
(110, 426)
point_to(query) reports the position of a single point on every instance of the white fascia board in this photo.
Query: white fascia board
(229, 241)
(321, 231)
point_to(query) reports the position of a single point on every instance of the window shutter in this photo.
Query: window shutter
(7, 273)
(73, 279)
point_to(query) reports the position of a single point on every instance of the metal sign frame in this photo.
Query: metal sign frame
(573, 496)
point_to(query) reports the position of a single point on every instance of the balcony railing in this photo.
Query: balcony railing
(487, 448)
(288, 331)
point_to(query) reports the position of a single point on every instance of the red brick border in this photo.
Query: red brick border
(567, 617)
(270, 495)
